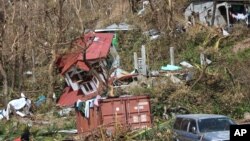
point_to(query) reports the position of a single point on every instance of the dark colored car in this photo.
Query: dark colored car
(202, 127)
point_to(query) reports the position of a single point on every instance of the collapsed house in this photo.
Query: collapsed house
(86, 68)
(223, 13)
(89, 68)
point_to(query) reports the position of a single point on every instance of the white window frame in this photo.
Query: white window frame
(86, 84)
(96, 81)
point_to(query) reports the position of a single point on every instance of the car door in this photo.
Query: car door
(192, 135)
(177, 127)
(183, 130)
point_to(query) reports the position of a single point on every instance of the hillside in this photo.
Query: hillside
(34, 33)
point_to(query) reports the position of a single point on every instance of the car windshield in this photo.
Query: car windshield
(214, 124)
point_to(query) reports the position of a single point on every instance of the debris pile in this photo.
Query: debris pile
(20, 106)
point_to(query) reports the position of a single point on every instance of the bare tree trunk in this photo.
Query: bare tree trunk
(20, 71)
(5, 83)
(33, 66)
(133, 6)
(51, 87)
(170, 17)
(14, 67)
(2, 70)
(78, 6)
(151, 5)
(51, 70)
(92, 5)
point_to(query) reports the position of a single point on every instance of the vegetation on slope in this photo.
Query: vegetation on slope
(222, 89)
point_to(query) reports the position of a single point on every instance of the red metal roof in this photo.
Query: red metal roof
(69, 97)
(73, 59)
(99, 45)
(82, 65)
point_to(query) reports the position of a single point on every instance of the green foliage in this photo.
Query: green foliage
(129, 43)
(70, 125)
(11, 129)
(241, 109)
(243, 55)
(190, 53)
(161, 131)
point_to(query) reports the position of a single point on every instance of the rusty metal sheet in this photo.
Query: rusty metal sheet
(84, 124)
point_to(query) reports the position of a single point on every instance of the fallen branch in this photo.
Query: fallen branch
(201, 75)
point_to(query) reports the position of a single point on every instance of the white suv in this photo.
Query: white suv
(202, 127)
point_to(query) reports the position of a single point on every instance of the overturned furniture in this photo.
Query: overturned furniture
(126, 112)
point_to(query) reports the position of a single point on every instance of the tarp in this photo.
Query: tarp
(170, 68)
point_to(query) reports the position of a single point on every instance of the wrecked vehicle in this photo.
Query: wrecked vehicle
(206, 127)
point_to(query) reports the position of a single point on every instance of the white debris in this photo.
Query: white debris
(70, 131)
(21, 106)
(28, 73)
(65, 112)
(208, 61)
(175, 80)
(186, 64)
(225, 33)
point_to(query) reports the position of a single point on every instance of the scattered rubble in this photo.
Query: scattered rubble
(65, 112)
(152, 34)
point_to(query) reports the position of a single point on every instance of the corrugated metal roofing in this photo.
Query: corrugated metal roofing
(69, 97)
(69, 61)
(82, 66)
(98, 49)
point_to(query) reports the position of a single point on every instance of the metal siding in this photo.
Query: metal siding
(134, 107)
(84, 124)
(112, 111)
(121, 113)
(138, 112)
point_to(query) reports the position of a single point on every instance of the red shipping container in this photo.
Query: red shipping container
(84, 124)
(132, 112)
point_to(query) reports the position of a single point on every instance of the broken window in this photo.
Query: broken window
(78, 75)
(88, 87)
(96, 81)
(184, 125)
